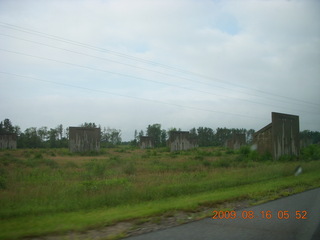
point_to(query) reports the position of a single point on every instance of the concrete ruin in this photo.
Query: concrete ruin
(8, 141)
(83, 139)
(181, 140)
(236, 141)
(146, 142)
(280, 137)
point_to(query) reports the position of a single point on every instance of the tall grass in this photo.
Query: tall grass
(34, 182)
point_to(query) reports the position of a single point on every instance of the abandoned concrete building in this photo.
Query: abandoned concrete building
(84, 139)
(236, 141)
(280, 137)
(8, 141)
(146, 142)
(181, 140)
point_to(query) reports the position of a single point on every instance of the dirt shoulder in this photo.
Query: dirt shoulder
(145, 225)
(170, 219)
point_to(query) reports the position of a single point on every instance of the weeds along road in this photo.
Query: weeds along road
(294, 217)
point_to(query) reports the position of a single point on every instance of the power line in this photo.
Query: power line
(128, 96)
(57, 38)
(134, 66)
(138, 78)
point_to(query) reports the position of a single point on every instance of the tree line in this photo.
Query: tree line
(57, 137)
(205, 136)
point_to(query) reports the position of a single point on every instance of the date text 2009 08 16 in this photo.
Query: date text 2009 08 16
(263, 214)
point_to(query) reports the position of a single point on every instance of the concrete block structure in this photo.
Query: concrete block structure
(181, 140)
(83, 139)
(146, 142)
(236, 141)
(8, 141)
(280, 137)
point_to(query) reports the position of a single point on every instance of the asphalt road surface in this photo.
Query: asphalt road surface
(294, 217)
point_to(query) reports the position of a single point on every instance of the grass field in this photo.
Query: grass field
(45, 191)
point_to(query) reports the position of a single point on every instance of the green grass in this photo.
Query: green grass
(50, 191)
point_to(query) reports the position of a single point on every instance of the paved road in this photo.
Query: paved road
(242, 227)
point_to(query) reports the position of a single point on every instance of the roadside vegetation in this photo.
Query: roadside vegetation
(46, 191)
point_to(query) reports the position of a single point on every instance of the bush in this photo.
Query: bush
(38, 161)
(245, 150)
(206, 163)
(312, 152)
(95, 168)
(7, 159)
(198, 158)
(130, 169)
(222, 163)
(3, 179)
(229, 151)
(287, 158)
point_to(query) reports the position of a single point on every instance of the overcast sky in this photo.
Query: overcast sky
(126, 64)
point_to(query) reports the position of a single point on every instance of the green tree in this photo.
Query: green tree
(111, 137)
(30, 139)
(163, 138)
(43, 133)
(205, 136)
(249, 136)
(53, 138)
(89, 125)
(6, 127)
(59, 129)
(154, 131)
(222, 134)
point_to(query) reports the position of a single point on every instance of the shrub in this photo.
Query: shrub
(3, 179)
(312, 152)
(244, 150)
(287, 158)
(7, 159)
(95, 168)
(198, 158)
(254, 156)
(38, 161)
(70, 164)
(130, 169)
(222, 163)
(218, 154)
(206, 163)
(229, 151)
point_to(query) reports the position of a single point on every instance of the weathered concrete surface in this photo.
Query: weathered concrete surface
(84, 139)
(262, 139)
(285, 135)
(280, 137)
(236, 141)
(146, 142)
(181, 140)
(8, 141)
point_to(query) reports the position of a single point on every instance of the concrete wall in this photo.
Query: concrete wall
(8, 141)
(262, 140)
(281, 137)
(180, 140)
(285, 135)
(236, 141)
(84, 139)
(146, 142)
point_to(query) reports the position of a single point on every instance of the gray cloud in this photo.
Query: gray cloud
(239, 50)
